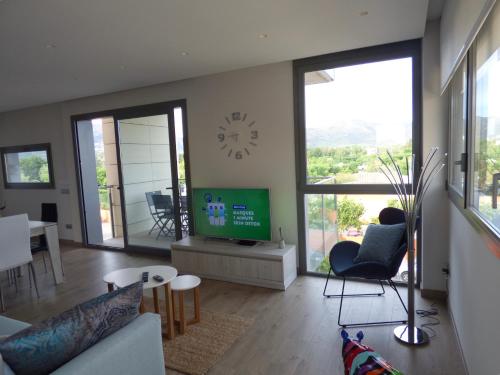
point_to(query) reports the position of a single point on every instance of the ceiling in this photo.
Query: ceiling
(55, 50)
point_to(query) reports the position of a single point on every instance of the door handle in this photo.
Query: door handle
(462, 162)
(494, 198)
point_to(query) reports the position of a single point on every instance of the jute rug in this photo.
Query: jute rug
(204, 343)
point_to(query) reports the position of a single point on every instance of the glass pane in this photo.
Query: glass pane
(352, 113)
(181, 170)
(331, 218)
(147, 181)
(486, 137)
(26, 167)
(99, 182)
(458, 123)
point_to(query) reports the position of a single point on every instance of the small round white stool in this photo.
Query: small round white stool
(179, 285)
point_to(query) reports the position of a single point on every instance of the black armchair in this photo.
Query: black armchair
(342, 265)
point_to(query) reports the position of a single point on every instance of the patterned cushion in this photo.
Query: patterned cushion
(360, 359)
(380, 243)
(43, 347)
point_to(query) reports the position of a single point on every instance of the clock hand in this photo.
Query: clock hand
(234, 136)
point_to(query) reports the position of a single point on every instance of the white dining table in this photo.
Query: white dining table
(38, 228)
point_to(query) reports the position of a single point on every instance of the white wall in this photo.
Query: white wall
(38, 125)
(435, 134)
(474, 298)
(265, 93)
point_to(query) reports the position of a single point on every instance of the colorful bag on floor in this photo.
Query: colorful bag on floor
(360, 359)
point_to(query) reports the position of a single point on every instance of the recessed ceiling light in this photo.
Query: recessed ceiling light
(49, 45)
(263, 36)
(363, 13)
(123, 67)
(184, 53)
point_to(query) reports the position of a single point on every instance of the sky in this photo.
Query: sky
(379, 92)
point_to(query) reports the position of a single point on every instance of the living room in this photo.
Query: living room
(224, 62)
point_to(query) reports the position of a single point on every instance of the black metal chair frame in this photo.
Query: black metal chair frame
(386, 216)
(49, 214)
(154, 214)
(391, 284)
(165, 213)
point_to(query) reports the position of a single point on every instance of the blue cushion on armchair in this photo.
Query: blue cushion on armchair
(380, 243)
(43, 347)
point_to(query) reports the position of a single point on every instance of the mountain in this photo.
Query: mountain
(358, 132)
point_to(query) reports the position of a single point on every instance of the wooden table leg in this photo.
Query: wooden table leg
(173, 306)
(170, 314)
(142, 309)
(155, 300)
(110, 287)
(197, 314)
(182, 318)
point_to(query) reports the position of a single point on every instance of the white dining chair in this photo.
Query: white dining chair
(15, 249)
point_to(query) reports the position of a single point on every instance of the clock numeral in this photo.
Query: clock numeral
(238, 155)
(254, 134)
(221, 137)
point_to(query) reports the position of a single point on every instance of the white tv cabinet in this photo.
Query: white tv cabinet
(264, 264)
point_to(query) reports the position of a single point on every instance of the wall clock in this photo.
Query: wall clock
(238, 136)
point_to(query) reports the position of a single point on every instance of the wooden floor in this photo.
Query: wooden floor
(295, 332)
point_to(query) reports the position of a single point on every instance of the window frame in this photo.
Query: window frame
(465, 203)
(459, 197)
(397, 50)
(475, 214)
(28, 148)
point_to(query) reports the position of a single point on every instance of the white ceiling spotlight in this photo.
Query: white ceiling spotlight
(184, 53)
(48, 45)
(263, 36)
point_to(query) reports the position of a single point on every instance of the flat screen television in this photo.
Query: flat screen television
(242, 214)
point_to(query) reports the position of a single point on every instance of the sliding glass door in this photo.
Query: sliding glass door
(134, 176)
(352, 106)
(153, 178)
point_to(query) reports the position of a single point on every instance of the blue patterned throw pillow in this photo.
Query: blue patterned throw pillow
(43, 347)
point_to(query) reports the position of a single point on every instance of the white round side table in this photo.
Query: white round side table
(179, 285)
(126, 276)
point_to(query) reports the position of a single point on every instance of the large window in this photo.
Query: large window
(486, 123)
(27, 167)
(352, 114)
(351, 107)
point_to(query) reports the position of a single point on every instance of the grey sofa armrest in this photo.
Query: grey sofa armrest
(135, 349)
(8, 327)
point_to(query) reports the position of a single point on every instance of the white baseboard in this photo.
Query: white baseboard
(457, 338)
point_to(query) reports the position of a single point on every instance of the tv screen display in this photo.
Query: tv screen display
(232, 213)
